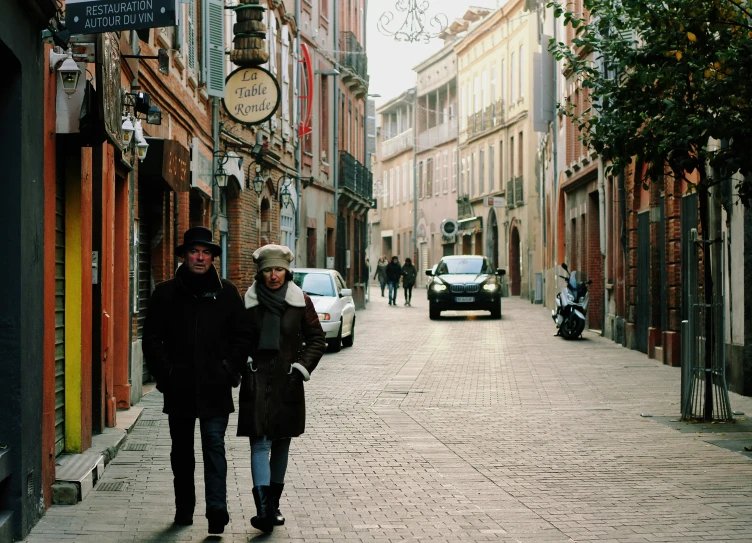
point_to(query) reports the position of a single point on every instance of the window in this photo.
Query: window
(481, 171)
(324, 7)
(324, 119)
(429, 178)
(503, 80)
(462, 178)
(412, 180)
(463, 115)
(437, 175)
(520, 166)
(454, 170)
(501, 164)
(445, 184)
(494, 113)
(391, 188)
(421, 178)
(190, 29)
(404, 183)
(513, 80)
(512, 171)
(385, 190)
(491, 179)
(522, 71)
(473, 179)
(397, 185)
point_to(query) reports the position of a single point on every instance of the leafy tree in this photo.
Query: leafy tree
(670, 86)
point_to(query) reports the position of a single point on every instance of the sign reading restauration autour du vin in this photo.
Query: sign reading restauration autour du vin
(252, 95)
(97, 16)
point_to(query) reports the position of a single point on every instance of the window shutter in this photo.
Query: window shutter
(191, 35)
(214, 47)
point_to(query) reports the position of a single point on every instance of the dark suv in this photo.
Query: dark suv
(464, 283)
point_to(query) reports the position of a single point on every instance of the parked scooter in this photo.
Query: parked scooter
(571, 305)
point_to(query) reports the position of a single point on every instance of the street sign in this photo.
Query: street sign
(494, 201)
(252, 95)
(98, 16)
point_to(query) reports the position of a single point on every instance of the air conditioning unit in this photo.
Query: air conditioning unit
(449, 229)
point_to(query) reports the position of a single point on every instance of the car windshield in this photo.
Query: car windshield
(314, 283)
(462, 265)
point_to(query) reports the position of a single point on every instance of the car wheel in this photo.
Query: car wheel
(349, 340)
(335, 345)
(433, 312)
(496, 311)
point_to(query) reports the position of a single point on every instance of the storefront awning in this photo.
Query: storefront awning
(167, 160)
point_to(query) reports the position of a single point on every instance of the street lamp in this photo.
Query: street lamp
(69, 71)
(141, 145)
(258, 181)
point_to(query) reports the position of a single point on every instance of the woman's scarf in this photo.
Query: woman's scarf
(274, 305)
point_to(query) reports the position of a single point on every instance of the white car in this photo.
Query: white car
(333, 302)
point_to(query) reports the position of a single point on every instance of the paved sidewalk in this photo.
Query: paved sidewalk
(463, 429)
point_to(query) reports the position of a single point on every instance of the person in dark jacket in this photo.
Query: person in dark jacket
(393, 274)
(380, 273)
(287, 342)
(193, 338)
(409, 274)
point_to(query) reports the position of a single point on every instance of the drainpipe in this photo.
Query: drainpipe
(296, 124)
(214, 185)
(335, 155)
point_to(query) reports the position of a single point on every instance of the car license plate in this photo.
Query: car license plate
(460, 299)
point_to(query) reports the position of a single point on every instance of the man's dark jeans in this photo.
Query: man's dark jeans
(182, 458)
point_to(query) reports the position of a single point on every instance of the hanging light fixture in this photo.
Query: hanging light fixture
(417, 26)
(128, 129)
(258, 182)
(141, 145)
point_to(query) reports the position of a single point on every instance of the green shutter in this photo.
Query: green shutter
(214, 48)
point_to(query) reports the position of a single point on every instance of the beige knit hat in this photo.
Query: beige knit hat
(273, 256)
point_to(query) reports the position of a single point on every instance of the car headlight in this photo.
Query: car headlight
(490, 287)
(438, 287)
(324, 316)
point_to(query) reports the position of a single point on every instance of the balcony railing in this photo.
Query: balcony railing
(397, 143)
(485, 119)
(514, 194)
(354, 176)
(352, 55)
(433, 137)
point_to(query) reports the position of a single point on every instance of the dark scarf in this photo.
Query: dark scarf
(199, 284)
(274, 304)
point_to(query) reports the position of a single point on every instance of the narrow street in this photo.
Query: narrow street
(463, 429)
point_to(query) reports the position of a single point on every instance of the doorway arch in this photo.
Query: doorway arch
(515, 276)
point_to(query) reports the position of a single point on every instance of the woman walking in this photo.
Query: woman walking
(287, 343)
(409, 274)
(381, 273)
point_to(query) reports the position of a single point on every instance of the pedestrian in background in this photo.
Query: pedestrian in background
(381, 273)
(287, 342)
(409, 274)
(393, 274)
(193, 338)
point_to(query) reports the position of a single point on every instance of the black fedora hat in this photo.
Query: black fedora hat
(195, 235)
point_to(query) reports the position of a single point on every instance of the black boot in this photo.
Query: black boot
(218, 519)
(276, 493)
(264, 519)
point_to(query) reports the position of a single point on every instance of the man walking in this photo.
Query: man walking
(194, 345)
(393, 274)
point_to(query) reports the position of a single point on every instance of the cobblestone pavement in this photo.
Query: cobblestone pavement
(463, 429)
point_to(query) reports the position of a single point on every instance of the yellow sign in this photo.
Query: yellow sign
(252, 95)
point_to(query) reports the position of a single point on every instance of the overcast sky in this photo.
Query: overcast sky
(391, 63)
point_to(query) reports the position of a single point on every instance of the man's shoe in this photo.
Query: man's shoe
(183, 517)
(218, 519)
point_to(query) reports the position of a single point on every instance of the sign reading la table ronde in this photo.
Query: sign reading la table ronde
(252, 95)
(97, 16)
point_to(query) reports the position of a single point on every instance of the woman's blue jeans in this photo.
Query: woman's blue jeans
(269, 460)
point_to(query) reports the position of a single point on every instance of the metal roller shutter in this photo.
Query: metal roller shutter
(59, 316)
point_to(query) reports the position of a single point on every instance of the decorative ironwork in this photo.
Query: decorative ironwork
(417, 26)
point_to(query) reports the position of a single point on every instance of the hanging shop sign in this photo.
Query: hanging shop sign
(97, 16)
(306, 127)
(252, 95)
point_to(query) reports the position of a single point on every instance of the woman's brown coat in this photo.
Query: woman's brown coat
(272, 399)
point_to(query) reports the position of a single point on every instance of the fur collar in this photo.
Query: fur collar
(294, 296)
